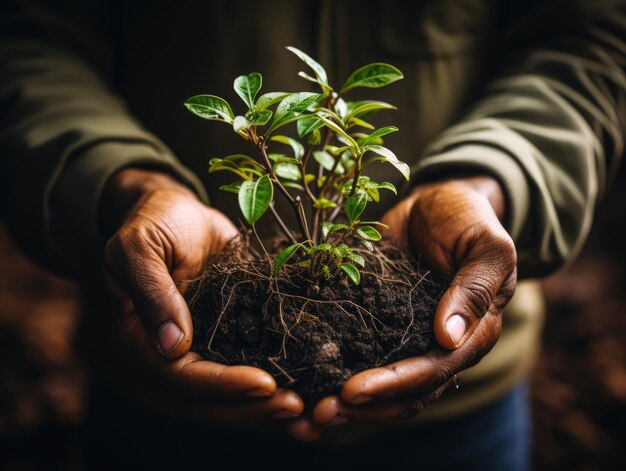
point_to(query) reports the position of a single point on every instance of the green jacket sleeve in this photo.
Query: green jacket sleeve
(551, 128)
(63, 134)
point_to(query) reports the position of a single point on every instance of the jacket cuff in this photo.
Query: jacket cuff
(73, 225)
(491, 161)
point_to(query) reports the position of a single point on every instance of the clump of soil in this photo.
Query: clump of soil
(312, 340)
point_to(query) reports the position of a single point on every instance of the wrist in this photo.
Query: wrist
(126, 188)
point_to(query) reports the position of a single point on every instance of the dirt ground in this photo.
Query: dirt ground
(578, 387)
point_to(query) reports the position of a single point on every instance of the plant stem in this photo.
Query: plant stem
(296, 203)
(282, 225)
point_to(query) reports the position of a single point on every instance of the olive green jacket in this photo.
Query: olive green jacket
(531, 92)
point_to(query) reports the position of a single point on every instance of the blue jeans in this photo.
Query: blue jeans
(495, 438)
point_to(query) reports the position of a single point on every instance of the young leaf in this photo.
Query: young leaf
(288, 171)
(330, 228)
(382, 186)
(255, 197)
(284, 256)
(364, 108)
(354, 206)
(377, 134)
(372, 76)
(375, 223)
(346, 252)
(268, 99)
(320, 73)
(324, 159)
(324, 203)
(252, 118)
(292, 108)
(390, 157)
(298, 149)
(354, 121)
(335, 127)
(210, 107)
(231, 187)
(352, 272)
(247, 86)
(308, 124)
(368, 233)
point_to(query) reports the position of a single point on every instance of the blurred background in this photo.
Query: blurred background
(578, 386)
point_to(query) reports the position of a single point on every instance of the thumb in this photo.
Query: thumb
(486, 279)
(140, 270)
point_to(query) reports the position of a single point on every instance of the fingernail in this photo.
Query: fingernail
(456, 327)
(361, 399)
(259, 393)
(169, 337)
(339, 420)
(285, 414)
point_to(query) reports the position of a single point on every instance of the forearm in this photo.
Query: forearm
(550, 130)
(65, 135)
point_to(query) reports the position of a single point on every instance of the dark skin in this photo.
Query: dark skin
(163, 234)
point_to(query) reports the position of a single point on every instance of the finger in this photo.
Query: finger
(190, 375)
(136, 261)
(334, 412)
(419, 376)
(283, 405)
(208, 379)
(488, 263)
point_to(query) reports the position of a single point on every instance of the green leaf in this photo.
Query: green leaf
(268, 99)
(364, 108)
(367, 244)
(390, 157)
(352, 272)
(324, 203)
(335, 127)
(334, 150)
(252, 118)
(210, 107)
(368, 233)
(375, 223)
(346, 252)
(354, 121)
(298, 149)
(290, 184)
(382, 186)
(373, 194)
(231, 187)
(308, 124)
(280, 158)
(330, 228)
(247, 86)
(255, 197)
(377, 134)
(288, 171)
(292, 107)
(325, 246)
(354, 206)
(319, 71)
(373, 75)
(327, 161)
(284, 256)
(314, 138)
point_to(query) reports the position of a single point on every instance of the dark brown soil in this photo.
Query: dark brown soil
(313, 341)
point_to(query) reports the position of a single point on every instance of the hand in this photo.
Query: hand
(456, 227)
(164, 236)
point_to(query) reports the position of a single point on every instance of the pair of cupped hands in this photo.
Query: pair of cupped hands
(162, 234)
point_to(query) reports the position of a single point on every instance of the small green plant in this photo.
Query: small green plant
(332, 141)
